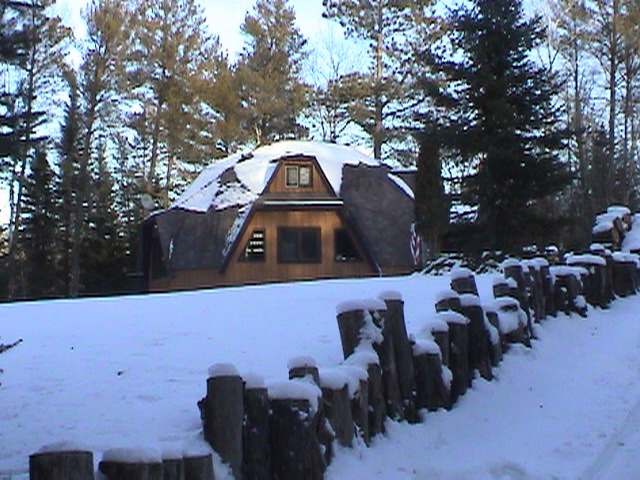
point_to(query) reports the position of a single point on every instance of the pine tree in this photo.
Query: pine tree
(38, 234)
(384, 99)
(269, 70)
(172, 63)
(499, 120)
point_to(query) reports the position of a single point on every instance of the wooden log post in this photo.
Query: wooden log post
(437, 329)
(594, 288)
(433, 379)
(536, 292)
(606, 273)
(336, 401)
(463, 281)
(295, 449)
(350, 317)
(448, 300)
(224, 415)
(131, 464)
(513, 269)
(366, 357)
(61, 461)
(359, 398)
(550, 308)
(256, 459)
(500, 287)
(496, 344)
(511, 322)
(478, 337)
(569, 289)
(396, 328)
(198, 467)
(458, 353)
(172, 466)
(304, 369)
(624, 274)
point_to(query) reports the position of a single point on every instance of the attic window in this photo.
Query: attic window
(297, 176)
(255, 249)
(346, 250)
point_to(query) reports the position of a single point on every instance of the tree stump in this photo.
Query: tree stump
(376, 409)
(432, 392)
(255, 431)
(513, 269)
(547, 289)
(350, 317)
(172, 467)
(438, 329)
(395, 328)
(55, 464)
(448, 300)
(199, 467)
(337, 405)
(359, 399)
(304, 367)
(463, 281)
(458, 354)
(296, 452)
(496, 350)
(224, 415)
(624, 274)
(131, 464)
(478, 338)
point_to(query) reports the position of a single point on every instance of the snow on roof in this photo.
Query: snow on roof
(254, 169)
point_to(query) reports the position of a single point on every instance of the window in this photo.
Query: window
(255, 249)
(346, 251)
(299, 245)
(297, 176)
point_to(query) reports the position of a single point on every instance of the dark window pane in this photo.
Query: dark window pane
(299, 245)
(291, 176)
(345, 248)
(310, 244)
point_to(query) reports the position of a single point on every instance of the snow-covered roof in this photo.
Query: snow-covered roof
(253, 170)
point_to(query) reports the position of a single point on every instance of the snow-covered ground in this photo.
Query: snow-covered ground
(128, 371)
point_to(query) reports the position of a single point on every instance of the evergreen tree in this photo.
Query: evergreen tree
(431, 203)
(173, 62)
(39, 231)
(103, 253)
(272, 90)
(499, 118)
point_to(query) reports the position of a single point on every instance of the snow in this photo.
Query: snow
(460, 272)
(128, 371)
(402, 185)
(302, 361)
(255, 168)
(253, 381)
(586, 259)
(510, 263)
(435, 324)
(132, 455)
(223, 370)
(374, 304)
(350, 306)
(453, 318)
(390, 295)
(470, 300)
(446, 294)
(297, 389)
(423, 346)
(63, 446)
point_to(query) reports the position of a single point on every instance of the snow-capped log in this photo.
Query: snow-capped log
(296, 449)
(256, 456)
(56, 463)
(336, 401)
(132, 464)
(304, 367)
(438, 329)
(500, 287)
(360, 399)
(595, 281)
(478, 346)
(396, 330)
(625, 274)
(376, 405)
(458, 354)
(513, 269)
(463, 281)
(197, 466)
(568, 289)
(448, 300)
(222, 416)
(432, 392)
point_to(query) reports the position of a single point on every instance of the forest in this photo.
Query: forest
(522, 122)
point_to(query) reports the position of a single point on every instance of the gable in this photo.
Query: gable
(298, 175)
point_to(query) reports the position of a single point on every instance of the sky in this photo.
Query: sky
(225, 18)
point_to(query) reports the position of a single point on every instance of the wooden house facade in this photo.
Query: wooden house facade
(289, 211)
